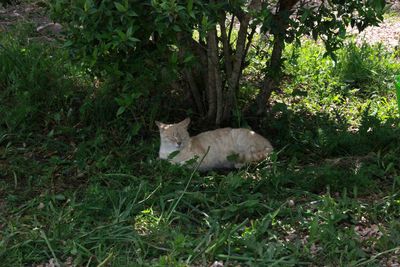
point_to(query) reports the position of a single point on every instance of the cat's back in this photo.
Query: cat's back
(246, 135)
(218, 137)
(231, 137)
(221, 143)
(217, 133)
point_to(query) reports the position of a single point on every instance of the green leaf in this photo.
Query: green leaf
(204, 22)
(87, 5)
(132, 13)
(121, 34)
(173, 154)
(129, 32)
(174, 58)
(120, 7)
(133, 39)
(68, 43)
(121, 110)
(190, 6)
(59, 197)
(188, 58)
(233, 157)
(136, 128)
(51, 133)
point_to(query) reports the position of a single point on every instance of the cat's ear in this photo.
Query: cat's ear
(185, 123)
(159, 124)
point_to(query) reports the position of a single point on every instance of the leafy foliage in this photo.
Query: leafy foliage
(141, 47)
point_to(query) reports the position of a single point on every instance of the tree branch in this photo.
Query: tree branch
(226, 46)
(211, 81)
(217, 75)
(186, 42)
(233, 80)
(249, 40)
(230, 28)
(271, 81)
(194, 90)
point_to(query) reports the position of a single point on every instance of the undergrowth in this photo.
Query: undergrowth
(82, 185)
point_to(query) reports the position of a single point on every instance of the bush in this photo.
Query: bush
(114, 42)
(141, 47)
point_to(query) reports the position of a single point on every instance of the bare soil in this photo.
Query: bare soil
(33, 12)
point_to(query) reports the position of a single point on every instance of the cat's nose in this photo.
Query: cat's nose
(179, 143)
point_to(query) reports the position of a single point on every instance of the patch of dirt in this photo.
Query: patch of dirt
(387, 33)
(34, 13)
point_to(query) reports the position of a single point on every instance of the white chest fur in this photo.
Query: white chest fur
(166, 149)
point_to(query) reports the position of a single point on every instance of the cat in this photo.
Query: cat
(225, 148)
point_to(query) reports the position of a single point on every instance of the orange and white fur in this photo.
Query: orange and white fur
(223, 144)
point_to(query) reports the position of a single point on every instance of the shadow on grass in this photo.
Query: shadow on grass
(318, 150)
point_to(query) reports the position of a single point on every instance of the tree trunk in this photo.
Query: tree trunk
(233, 79)
(194, 91)
(214, 78)
(226, 45)
(190, 73)
(271, 82)
(211, 76)
(208, 81)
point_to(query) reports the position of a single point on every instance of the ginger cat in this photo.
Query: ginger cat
(228, 148)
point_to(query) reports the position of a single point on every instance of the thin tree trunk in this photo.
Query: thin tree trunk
(226, 46)
(211, 81)
(218, 80)
(231, 28)
(271, 82)
(189, 73)
(194, 91)
(233, 80)
(249, 41)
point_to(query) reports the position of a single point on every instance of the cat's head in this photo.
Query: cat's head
(174, 135)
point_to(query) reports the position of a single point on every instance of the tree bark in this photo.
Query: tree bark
(211, 77)
(233, 80)
(214, 71)
(271, 82)
(189, 73)
(226, 45)
(194, 91)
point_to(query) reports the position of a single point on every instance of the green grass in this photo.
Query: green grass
(77, 185)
